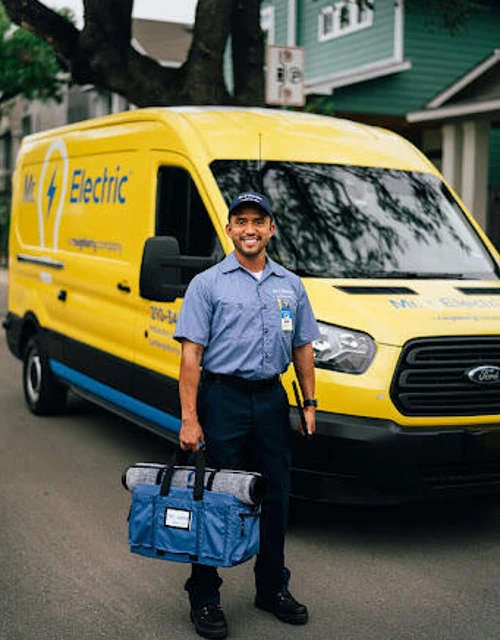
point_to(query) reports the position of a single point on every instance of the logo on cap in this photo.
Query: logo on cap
(251, 197)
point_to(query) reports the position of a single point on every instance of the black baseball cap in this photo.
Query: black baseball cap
(251, 197)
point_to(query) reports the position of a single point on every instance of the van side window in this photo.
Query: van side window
(180, 212)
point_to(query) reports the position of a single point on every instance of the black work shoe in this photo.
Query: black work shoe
(209, 621)
(284, 606)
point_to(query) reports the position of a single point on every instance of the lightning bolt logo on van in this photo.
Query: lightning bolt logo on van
(51, 192)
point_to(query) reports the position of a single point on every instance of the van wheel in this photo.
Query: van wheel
(43, 393)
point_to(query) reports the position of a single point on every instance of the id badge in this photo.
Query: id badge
(286, 319)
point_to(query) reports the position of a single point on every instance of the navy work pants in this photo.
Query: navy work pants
(248, 429)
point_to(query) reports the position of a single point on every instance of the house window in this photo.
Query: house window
(344, 17)
(6, 152)
(26, 125)
(363, 14)
(326, 23)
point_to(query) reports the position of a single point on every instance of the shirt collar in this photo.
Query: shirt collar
(230, 263)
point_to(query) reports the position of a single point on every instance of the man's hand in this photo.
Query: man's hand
(303, 361)
(191, 435)
(310, 417)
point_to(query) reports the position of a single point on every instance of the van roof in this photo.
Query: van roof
(272, 134)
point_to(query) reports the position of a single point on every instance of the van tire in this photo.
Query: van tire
(44, 395)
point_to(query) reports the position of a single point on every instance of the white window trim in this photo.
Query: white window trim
(338, 30)
(324, 85)
(268, 14)
(322, 36)
(399, 31)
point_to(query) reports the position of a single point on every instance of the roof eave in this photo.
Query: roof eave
(454, 112)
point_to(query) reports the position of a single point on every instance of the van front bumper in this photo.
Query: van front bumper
(353, 459)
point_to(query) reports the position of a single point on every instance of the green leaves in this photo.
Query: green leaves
(449, 15)
(28, 65)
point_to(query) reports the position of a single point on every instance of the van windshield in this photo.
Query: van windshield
(341, 221)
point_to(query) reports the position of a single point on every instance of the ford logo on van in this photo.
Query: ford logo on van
(486, 374)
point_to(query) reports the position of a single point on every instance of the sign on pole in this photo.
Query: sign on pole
(285, 76)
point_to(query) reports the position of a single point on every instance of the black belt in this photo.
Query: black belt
(242, 383)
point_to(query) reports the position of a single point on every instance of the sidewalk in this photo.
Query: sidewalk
(4, 276)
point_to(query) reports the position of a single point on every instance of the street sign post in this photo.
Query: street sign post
(285, 76)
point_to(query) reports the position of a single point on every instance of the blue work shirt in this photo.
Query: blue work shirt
(244, 323)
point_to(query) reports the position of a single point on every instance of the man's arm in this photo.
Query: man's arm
(303, 361)
(191, 433)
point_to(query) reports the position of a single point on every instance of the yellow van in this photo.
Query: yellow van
(112, 217)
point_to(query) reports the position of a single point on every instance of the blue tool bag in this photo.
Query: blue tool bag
(192, 524)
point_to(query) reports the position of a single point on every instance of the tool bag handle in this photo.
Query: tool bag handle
(199, 475)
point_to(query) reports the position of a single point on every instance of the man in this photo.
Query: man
(243, 321)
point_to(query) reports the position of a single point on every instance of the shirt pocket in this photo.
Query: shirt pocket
(231, 317)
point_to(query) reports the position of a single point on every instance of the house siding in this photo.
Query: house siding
(280, 19)
(349, 51)
(438, 60)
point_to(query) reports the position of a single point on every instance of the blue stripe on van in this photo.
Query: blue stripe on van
(122, 400)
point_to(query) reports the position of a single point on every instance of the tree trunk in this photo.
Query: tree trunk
(101, 53)
(202, 73)
(248, 53)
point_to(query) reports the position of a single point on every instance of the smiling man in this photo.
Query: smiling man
(241, 324)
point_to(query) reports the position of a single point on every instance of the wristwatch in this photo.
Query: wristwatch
(310, 403)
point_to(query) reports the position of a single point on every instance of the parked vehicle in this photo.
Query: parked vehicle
(112, 218)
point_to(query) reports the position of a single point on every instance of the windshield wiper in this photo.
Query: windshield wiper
(417, 275)
(394, 275)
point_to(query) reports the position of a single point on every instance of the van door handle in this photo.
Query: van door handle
(123, 286)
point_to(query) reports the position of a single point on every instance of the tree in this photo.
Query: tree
(101, 52)
(450, 15)
(28, 65)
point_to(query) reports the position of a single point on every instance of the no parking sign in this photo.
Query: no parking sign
(285, 76)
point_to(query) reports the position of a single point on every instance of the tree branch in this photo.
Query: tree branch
(106, 44)
(102, 54)
(47, 25)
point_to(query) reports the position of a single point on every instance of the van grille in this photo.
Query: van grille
(430, 378)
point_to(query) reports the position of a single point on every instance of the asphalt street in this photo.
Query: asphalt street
(413, 572)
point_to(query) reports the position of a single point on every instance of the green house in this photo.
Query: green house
(393, 66)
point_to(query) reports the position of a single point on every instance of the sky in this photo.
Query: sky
(174, 10)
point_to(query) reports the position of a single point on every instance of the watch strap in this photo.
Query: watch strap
(310, 403)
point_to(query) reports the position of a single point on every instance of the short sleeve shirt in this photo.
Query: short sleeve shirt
(247, 326)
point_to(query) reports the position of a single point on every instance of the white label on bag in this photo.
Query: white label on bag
(178, 518)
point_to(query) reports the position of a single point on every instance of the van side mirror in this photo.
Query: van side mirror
(162, 276)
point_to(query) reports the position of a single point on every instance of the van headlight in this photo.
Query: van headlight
(343, 350)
